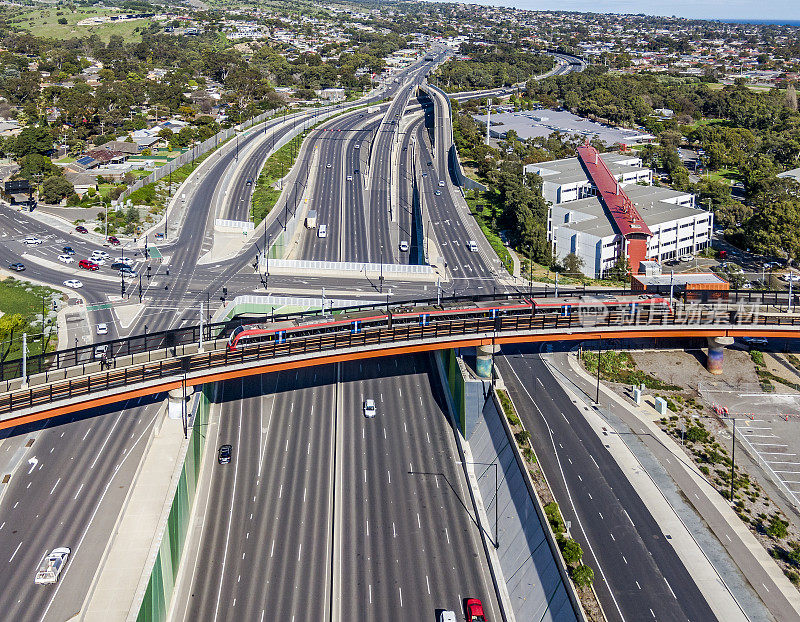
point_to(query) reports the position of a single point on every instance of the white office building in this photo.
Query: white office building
(579, 223)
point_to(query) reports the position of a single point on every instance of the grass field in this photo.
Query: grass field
(44, 23)
(26, 299)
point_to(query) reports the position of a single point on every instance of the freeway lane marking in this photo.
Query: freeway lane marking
(15, 552)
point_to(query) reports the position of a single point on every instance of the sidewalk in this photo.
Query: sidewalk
(126, 560)
(773, 588)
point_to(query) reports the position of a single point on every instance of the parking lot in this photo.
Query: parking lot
(768, 426)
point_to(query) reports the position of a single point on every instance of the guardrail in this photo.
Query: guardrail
(516, 325)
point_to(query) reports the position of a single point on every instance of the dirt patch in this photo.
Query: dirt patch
(687, 369)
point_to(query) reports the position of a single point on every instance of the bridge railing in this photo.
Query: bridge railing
(82, 356)
(698, 316)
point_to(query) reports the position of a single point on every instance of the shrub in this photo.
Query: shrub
(522, 437)
(554, 517)
(583, 576)
(777, 528)
(571, 551)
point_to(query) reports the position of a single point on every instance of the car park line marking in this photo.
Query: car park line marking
(625, 560)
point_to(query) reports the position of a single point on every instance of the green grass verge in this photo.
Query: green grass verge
(620, 367)
(480, 208)
(21, 304)
(278, 164)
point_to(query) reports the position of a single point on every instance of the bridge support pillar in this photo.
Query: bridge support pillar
(716, 347)
(174, 406)
(485, 360)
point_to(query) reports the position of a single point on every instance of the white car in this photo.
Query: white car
(349, 178)
(447, 616)
(31, 240)
(322, 232)
(369, 408)
(51, 566)
(472, 245)
(328, 165)
(403, 246)
(686, 258)
(99, 255)
(102, 329)
(126, 260)
(441, 183)
(358, 146)
(74, 283)
(100, 351)
(791, 277)
(66, 258)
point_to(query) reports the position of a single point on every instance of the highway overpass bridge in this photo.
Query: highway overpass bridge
(357, 335)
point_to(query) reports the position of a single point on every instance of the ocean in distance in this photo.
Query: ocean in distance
(777, 22)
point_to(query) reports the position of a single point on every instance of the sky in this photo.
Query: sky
(697, 9)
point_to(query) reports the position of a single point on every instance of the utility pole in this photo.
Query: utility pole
(488, 119)
(201, 327)
(25, 359)
(597, 399)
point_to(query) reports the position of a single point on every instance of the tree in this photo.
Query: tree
(9, 324)
(620, 270)
(55, 188)
(572, 265)
(33, 140)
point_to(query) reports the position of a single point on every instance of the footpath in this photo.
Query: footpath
(764, 576)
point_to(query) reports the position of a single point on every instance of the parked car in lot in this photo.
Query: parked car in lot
(17, 267)
(224, 456)
(87, 264)
(81, 229)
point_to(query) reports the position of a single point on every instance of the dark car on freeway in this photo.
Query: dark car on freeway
(17, 267)
(67, 250)
(225, 454)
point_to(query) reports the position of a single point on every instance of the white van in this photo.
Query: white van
(472, 245)
(322, 232)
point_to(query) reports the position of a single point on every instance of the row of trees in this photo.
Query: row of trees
(492, 66)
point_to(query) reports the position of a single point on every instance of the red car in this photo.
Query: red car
(88, 265)
(81, 229)
(113, 240)
(475, 610)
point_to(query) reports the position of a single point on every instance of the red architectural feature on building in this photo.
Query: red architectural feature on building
(621, 211)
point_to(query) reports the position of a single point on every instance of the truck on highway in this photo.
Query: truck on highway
(51, 566)
(372, 109)
(311, 219)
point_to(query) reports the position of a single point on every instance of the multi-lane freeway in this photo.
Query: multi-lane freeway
(322, 511)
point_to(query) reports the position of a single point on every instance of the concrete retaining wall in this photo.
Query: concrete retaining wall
(157, 596)
(528, 558)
